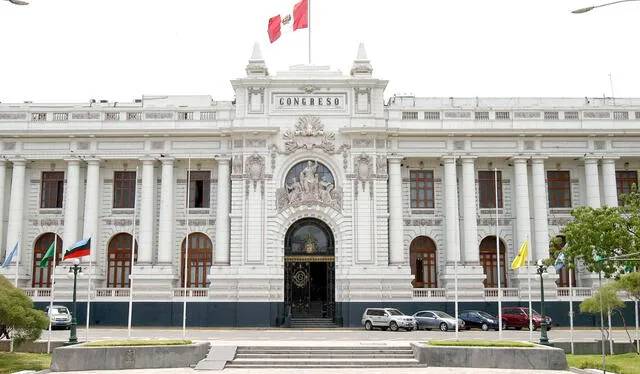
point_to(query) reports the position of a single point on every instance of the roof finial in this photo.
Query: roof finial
(361, 65)
(256, 65)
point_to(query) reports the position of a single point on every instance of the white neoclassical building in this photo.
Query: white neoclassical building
(307, 195)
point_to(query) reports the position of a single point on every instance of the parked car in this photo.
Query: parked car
(387, 318)
(478, 319)
(435, 319)
(518, 317)
(59, 316)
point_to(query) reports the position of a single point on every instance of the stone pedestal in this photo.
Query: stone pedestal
(549, 280)
(154, 282)
(470, 280)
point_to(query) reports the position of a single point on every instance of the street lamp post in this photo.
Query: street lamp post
(75, 269)
(544, 339)
(590, 8)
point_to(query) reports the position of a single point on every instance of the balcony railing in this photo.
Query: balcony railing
(191, 292)
(577, 292)
(429, 293)
(505, 292)
(36, 293)
(112, 292)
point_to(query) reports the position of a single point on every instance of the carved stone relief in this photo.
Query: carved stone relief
(308, 134)
(237, 164)
(309, 189)
(363, 167)
(255, 169)
(381, 165)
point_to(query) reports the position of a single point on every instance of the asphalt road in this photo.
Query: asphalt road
(285, 336)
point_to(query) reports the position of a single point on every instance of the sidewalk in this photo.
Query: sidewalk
(426, 370)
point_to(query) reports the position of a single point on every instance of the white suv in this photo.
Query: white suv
(387, 318)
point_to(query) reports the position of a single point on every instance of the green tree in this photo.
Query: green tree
(630, 283)
(22, 321)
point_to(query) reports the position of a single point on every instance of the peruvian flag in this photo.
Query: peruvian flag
(298, 19)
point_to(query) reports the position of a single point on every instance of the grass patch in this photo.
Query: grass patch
(479, 343)
(628, 363)
(13, 362)
(129, 343)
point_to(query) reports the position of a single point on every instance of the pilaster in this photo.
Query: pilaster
(470, 219)
(396, 240)
(147, 216)
(92, 207)
(540, 247)
(16, 206)
(221, 250)
(166, 224)
(452, 241)
(609, 188)
(592, 183)
(71, 203)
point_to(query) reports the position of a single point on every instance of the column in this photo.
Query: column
(223, 206)
(165, 237)
(396, 234)
(451, 209)
(91, 206)
(540, 212)
(470, 223)
(591, 179)
(146, 212)
(16, 206)
(71, 203)
(523, 226)
(609, 185)
(3, 175)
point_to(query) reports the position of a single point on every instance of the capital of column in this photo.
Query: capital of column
(72, 161)
(610, 160)
(223, 159)
(18, 161)
(449, 159)
(468, 159)
(538, 159)
(93, 161)
(520, 159)
(167, 160)
(590, 160)
(147, 160)
(395, 159)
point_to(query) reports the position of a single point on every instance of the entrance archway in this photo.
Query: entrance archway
(309, 278)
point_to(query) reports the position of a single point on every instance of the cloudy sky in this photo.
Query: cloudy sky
(119, 50)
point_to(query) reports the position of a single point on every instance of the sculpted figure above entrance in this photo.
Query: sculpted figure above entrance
(309, 183)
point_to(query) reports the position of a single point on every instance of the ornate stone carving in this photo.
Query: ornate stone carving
(255, 168)
(363, 167)
(381, 165)
(309, 133)
(237, 164)
(309, 189)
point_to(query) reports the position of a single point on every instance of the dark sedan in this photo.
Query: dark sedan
(478, 319)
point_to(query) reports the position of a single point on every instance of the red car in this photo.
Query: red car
(518, 317)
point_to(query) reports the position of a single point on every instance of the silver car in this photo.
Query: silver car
(387, 318)
(434, 319)
(59, 316)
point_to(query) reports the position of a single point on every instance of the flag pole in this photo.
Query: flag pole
(186, 255)
(570, 310)
(133, 251)
(86, 332)
(455, 283)
(53, 286)
(495, 172)
(309, 26)
(529, 285)
(15, 281)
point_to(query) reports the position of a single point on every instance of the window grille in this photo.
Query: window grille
(481, 115)
(502, 115)
(409, 115)
(621, 116)
(571, 115)
(432, 116)
(551, 115)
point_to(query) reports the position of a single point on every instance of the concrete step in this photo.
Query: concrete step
(323, 357)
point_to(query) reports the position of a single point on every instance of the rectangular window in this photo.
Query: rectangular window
(624, 180)
(199, 187)
(487, 189)
(52, 189)
(124, 189)
(559, 189)
(422, 189)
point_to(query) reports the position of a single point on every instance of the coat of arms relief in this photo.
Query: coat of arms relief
(309, 133)
(308, 188)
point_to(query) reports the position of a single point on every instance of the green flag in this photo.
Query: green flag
(48, 255)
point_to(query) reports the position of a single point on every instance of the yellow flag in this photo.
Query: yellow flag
(521, 258)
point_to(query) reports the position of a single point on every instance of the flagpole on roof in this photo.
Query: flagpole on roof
(133, 251)
(309, 23)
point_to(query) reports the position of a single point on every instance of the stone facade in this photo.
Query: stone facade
(312, 118)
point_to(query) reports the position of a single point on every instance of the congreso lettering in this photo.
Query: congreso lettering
(309, 101)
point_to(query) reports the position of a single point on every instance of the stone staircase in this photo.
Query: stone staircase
(310, 322)
(269, 357)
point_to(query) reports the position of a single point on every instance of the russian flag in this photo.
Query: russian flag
(78, 249)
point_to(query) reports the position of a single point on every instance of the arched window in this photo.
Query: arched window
(423, 262)
(119, 263)
(200, 260)
(563, 274)
(489, 260)
(42, 276)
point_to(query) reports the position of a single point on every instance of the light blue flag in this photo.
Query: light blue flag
(10, 256)
(559, 264)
